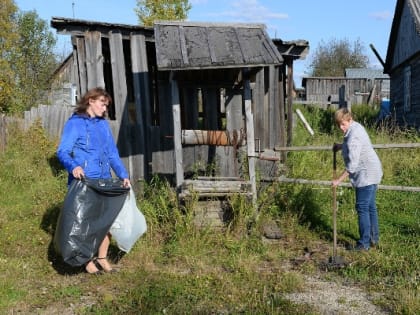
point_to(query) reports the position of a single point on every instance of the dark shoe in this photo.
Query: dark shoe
(358, 248)
(374, 245)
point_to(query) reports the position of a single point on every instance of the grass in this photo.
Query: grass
(179, 269)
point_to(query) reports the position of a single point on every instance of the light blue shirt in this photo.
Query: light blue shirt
(360, 159)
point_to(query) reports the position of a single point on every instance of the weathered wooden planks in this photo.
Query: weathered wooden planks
(214, 188)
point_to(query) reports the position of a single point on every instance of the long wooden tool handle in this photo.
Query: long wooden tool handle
(334, 205)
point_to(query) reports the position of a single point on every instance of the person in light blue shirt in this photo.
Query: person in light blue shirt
(87, 149)
(363, 167)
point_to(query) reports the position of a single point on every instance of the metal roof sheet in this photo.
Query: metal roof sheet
(365, 73)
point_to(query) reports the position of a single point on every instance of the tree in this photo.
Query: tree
(8, 40)
(332, 58)
(149, 11)
(35, 59)
(27, 60)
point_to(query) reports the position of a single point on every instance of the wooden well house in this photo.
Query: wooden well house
(201, 104)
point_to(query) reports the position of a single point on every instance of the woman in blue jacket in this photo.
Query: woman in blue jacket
(87, 149)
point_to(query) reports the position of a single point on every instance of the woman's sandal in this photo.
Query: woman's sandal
(106, 267)
(92, 271)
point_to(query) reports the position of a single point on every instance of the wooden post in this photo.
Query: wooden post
(273, 113)
(289, 101)
(250, 139)
(118, 77)
(258, 93)
(75, 74)
(81, 65)
(140, 71)
(119, 84)
(94, 60)
(176, 112)
(305, 123)
(229, 165)
(282, 122)
(342, 97)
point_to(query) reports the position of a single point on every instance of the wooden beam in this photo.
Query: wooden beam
(348, 185)
(329, 147)
(81, 65)
(289, 102)
(183, 44)
(176, 112)
(119, 80)
(140, 70)
(250, 138)
(377, 55)
(94, 60)
(215, 188)
(273, 113)
(282, 114)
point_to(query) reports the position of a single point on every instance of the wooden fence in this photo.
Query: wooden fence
(52, 118)
(284, 179)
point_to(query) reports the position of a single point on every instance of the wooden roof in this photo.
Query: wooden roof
(78, 27)
(191, 45)
(297, 49)
(414, 6)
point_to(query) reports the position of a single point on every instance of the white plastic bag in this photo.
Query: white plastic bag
(129, 225)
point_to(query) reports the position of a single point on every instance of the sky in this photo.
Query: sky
(316, 21)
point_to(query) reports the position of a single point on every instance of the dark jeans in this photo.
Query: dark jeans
(368, 215)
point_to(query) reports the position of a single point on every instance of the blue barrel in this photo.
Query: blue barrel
(386, 105)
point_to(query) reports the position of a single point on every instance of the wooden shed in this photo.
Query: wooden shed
(357, 86)
(403, 63)
(201, 104)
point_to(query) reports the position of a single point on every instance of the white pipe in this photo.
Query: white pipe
(305, 122)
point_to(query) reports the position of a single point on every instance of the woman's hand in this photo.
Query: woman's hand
(338, 180)
(126, 182)
(337, 147)
(78, 172)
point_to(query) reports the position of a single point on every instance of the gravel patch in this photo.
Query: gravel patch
(331, 298)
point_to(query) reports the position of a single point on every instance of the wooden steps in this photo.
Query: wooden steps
(215, 187)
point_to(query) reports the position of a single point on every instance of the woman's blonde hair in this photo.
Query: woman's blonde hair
(341, 115)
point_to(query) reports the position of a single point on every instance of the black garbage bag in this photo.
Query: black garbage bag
(90, 207)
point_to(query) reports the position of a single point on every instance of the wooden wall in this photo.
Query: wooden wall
(356, 91)
(408, 40)
(119, 65)
(399, 91)
(405, 72)
(141, 117)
